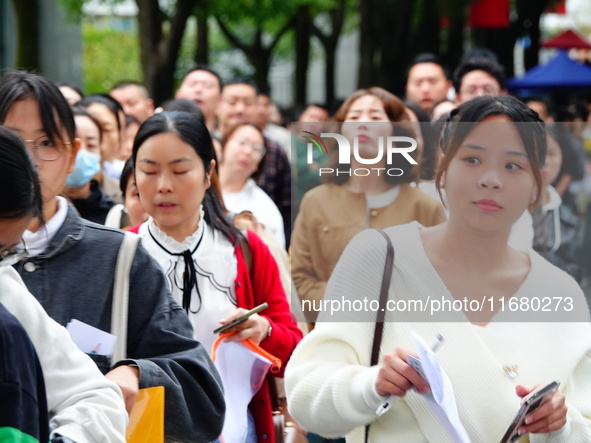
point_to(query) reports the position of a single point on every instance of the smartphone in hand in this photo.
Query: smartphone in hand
(240, 318)
(533, 402)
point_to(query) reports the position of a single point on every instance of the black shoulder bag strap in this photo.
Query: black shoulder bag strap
(386, 278)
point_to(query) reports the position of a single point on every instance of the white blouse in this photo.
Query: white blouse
(216, 266)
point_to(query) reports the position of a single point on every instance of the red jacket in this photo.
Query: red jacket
(265, 287)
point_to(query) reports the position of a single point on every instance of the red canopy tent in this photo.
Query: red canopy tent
(567, 40)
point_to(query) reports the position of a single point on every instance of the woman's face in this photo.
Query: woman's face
(172, 181)
(111, 136)
(489, 182)
(88, 133)
(24, 118)
(129, 136)
(243, 151)
(366, 121)
(133, 205)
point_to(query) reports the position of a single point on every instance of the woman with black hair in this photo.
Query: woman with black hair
(202, 254)
(131, 213)
(46, 383)
(502, 340)
(71, 269)
(111, 117)
(82, 188)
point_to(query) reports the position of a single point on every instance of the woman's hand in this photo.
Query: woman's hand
(128, 380)
(396, 376)
(549, 417)
(254, 327)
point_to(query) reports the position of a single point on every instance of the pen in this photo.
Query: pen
(390, 399)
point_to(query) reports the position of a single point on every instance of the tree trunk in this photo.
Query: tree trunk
(302, 54)
(258, 55)
(150, 36)
(261, 60)
(329, 74)
(455, 41)
(159, 54)
(27, 23)
(366, 44)
(202, 51)
(329, 42)
(529, 13)
(427, 32)
(531, 54)
(396, 50)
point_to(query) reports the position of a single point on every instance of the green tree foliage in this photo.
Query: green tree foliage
(109, 56)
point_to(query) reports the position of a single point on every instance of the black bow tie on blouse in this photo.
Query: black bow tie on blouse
(189, 280)
(189, 274)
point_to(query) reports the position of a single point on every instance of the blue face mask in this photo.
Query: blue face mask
(87, 165)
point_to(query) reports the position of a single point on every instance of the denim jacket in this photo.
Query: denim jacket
(73, 279)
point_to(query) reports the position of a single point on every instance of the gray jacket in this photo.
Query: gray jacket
(73, 279)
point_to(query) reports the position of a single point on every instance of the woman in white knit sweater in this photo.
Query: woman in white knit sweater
(505, 340)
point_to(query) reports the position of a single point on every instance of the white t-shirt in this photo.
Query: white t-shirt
(254, 199)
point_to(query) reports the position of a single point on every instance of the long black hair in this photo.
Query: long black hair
(20, 192)
(55, 112)
(464, 118)
(189, 128)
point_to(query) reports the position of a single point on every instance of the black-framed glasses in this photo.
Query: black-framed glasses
(45, 148)
(9, 258)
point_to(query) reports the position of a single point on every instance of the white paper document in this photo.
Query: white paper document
(442, 400)
(90, 339)
(243, 373)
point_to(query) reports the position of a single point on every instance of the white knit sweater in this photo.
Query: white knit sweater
(331, 389)
(83, 405)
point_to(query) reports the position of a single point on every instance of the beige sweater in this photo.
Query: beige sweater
(331, 389)
(330, 216)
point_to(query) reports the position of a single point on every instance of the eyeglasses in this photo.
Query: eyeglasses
(45, 148)
(9, 258)
(258, 149)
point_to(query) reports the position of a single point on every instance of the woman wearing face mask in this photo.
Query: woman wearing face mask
(332, 214)
(85, 192)
(46, 383)
(71, 268)
(109, 113)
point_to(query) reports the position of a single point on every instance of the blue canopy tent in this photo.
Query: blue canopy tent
(559, 73)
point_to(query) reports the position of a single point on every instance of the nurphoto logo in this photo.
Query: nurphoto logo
(364, 161)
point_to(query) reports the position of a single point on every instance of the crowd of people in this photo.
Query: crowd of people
(235, 207)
